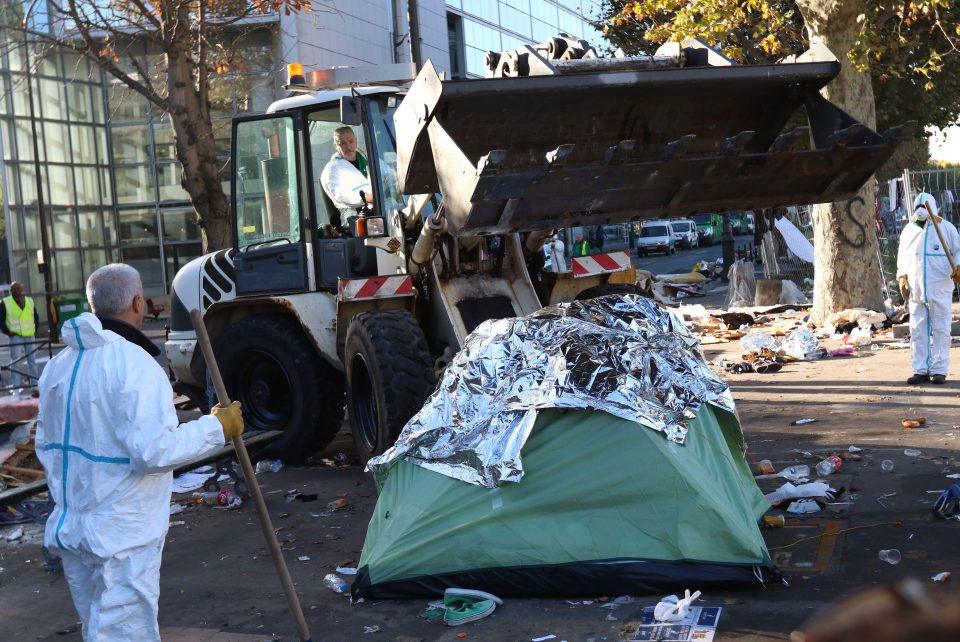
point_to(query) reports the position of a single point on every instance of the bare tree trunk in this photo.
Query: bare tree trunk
(196, 148)
(847, 273)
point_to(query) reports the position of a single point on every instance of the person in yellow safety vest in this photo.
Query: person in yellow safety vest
(19, 321)
(580, 247)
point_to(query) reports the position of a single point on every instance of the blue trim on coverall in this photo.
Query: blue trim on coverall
(66, 429)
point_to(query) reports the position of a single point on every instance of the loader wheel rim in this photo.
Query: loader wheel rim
(264, 390)
(363, 405)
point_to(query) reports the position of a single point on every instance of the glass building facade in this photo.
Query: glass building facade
(109, 174)
(478, 26)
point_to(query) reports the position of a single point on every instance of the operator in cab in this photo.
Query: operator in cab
(345, 178)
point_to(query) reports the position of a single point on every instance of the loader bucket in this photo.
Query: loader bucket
(619, 144)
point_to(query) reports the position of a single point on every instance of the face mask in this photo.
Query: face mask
(921, 214)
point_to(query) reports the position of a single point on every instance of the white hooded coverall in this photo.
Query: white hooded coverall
(923, 259)
(108, 437)
(343, 182)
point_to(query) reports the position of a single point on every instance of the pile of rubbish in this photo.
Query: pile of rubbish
(671, 289)
(18, 460)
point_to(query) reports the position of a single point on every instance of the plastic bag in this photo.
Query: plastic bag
(743, 285)
(757, 341)
(790, 294)
(801, 344)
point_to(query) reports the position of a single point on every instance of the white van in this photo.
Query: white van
(685, 233)
(656, 236)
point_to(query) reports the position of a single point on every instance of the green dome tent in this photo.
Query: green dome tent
(605, 507)
(585, 449)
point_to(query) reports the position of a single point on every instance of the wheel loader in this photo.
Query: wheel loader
(319, 310)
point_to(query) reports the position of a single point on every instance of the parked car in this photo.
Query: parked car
(685, 233)
(656, 236)
(709, 228)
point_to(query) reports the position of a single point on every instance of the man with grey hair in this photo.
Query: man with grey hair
(108, 437)
(345, 178)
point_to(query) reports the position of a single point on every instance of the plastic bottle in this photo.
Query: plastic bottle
(209, 498)
(335, 583)
(229, 497)
(794, 473)
(890, 555)
(829, 466)
(269, 466)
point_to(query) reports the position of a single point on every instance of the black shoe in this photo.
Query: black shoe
(919, 378)
(938, 379)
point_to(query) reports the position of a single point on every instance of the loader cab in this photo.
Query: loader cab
(291, 235)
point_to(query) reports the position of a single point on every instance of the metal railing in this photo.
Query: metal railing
(17, 369)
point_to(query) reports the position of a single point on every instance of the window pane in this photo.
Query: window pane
(84, 145)
(24, 138)
(267, 205)
(131, 144)
(57, 142)
(91, 228)
(31, 226)
(135, 184)
(88, 185)
(126, 105)
(221, 96)
(28, 183)
(92, 259)
(163, 140)
(68, 273)
(254, 93)
(179, 255)
(76, 67)
(180, 224)
(138, 226)
(64, 228)
(61, 185)
(109, 227)
(53, 98)
(146, 260)
(168, 180)
(80, 102)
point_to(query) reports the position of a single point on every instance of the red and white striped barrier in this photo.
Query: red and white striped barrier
(601, 264)
(376, 287)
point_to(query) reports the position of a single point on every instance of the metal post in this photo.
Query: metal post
(727, 240)
(413, 18)
(53, 332)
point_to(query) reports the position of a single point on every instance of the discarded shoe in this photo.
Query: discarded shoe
(918, 378)
(764, 366)
(938, 379)
(467, 605)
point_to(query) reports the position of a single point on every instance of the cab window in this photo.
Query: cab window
(322, 126)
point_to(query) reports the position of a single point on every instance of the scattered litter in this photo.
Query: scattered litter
(801, 344)
(788, 492)
(941, 577)
(303, 558)
(829, 465)
(795, 473)
(303, 497)
(790, 294)
(773, 521)
(179, 522)
(845, 351)
(335, 583)
(337, 504)
(886, 465)
(544, 638)
(15, 534)
(269, 466)
(765, 467)
(672, 608)
(175, 508)
(914, 422)
(465, 634)
(699, 623)
(803, 507)
(346, 570)
(194, 479)
(802, 422)
(910, 452)
(854, 449)
(953, 476)
(948, 504)
(757, 341)
(890, 556)
(371, 629)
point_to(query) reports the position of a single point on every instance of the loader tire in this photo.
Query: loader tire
(273, 370)
(389, 373)
(609, 288)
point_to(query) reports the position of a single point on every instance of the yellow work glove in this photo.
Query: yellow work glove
(904, 287)
(231, 418)
(956, 275)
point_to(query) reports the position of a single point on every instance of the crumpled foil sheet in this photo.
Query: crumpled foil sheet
(621, 354)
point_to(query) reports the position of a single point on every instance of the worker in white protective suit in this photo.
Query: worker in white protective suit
(926, 282)
(108, 437)
(346, 175)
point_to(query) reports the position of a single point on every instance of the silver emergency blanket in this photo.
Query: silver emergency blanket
(621, 354)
